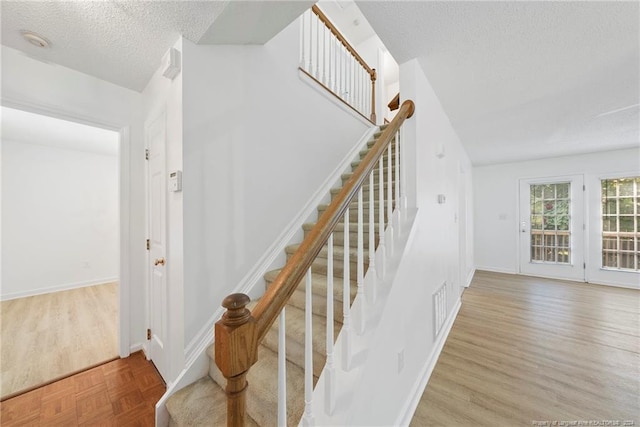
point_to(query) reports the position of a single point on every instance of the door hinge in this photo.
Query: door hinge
(146, 154)
(584, 187)
(148, 244)
(148, 334)
(584, 265)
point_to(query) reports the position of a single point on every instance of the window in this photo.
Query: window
(550, 223)
(621, 223)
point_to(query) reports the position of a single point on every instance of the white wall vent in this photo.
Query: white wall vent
(439, 309)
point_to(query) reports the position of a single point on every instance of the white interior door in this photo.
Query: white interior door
(157, 345)
(552, 226)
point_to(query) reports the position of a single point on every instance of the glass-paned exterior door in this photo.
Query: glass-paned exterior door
(621, 223)
(551, 227)
(550, 222)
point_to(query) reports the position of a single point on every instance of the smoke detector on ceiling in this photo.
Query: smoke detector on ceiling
(36, 39)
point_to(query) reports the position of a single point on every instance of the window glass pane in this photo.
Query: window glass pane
(626, 223)
(548, 192)
(536, 190)
(562, 191)
(608, 188)
(625, 187)
(626, 243)
(549, 223)
(609, 207)
(563, 223)
(626, 206)
(609, 243)
(609, 224)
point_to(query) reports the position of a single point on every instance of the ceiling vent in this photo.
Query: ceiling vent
(36, 39)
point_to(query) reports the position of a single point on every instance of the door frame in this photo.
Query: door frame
(584, 231)
(124, 218)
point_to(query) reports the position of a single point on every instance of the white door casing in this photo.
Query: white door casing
(559, 249)
(157, 222)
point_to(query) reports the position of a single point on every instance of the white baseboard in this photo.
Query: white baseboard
(409, 408)
(470, 277)
(496, 270)
(57, 288)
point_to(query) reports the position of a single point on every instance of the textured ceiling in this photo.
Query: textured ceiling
(21, 126)
(123, 41)
(522, 80)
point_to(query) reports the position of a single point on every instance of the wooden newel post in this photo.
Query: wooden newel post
(374, 76)
(236, 352)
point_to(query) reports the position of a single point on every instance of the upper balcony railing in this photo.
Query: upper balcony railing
(327, 57)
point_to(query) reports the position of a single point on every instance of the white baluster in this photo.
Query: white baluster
(324, 54)
(318, 24)
(403, 177)
(282, 371)
(360, 277)
(346, 299)
(381, 245)
(390, 198)
(331, 63)
(309, 32)
(302, 37)
(330, 384)
(372, 237)
(307, 418)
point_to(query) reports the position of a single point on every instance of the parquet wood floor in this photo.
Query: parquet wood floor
(119, 393)
(526, 351)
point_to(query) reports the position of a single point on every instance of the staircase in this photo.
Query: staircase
(204, 402)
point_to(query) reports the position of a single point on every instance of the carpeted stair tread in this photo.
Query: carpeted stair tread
(338, 252)
(319, 287)
(295, 327)
(262, 392)
(203, 403)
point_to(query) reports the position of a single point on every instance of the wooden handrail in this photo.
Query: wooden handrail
(239, 332)
(344, 41)
(394, 104)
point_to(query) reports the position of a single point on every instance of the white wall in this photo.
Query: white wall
(258, 142)
(60, 218)
(496, 207)
(433, 255)
(162, 96)
(57, 91)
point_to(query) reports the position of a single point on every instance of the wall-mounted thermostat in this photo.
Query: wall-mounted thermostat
(175, 181)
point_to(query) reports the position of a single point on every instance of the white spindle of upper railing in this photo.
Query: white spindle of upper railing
(372, 236)
(329, 373)
(403, 177)
(381, 244)
(397, 182)
(318, 24)
(324, 56)
(360, 267)
(390, 198)
(346, 298)
(282, 371)
(307, 418)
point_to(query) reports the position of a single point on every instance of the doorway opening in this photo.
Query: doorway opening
(60, 248)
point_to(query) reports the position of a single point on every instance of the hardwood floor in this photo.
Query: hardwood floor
(46, 337)
(527, 351)
(119, 393)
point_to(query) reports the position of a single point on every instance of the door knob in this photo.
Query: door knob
(159, 261)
